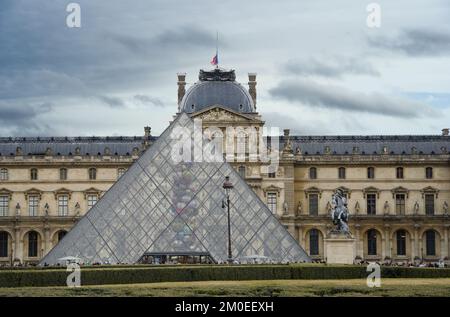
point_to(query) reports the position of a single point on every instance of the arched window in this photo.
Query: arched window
(372, 242)
(3, 174)
(370, 173)
(32, 244)
(314, 242)
(341, 173)
(63, 174)
(401, 242)
(4, 239)
(242, 171)
(313, 173)
(61, 234)
(33, 174)
(429, 172)
(92, 173)
(399, 172)
(430, 237)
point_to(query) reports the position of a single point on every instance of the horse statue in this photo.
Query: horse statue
(339, 212)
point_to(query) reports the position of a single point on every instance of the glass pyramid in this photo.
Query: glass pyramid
(159, 206)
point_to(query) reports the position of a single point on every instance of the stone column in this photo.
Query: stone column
(416, 248)
(358, 244)
(444, 244)
(18, 246)
(387, 234)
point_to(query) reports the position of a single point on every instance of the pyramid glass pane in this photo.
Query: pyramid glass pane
(163, 206)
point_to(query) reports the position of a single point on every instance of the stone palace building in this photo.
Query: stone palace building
(397, 186)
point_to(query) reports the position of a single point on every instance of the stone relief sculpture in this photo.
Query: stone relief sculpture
(299, 209)
(416, 208)
(386, 208)
(329, 207)
(357, 208)
(285, 208)
(445, 208)
(339, 213)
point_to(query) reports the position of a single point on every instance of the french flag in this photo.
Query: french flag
(215, 60)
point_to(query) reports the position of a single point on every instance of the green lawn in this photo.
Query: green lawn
(353, 287)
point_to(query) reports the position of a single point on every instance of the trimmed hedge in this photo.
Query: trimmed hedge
(153, 274)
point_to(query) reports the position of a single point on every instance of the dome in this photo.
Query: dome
(217, 87)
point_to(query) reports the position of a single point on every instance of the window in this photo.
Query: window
(430, 237)
(372, 242)
(313, 173)
(401, 242)
(61, 235)
(314, 242)
(272, 175)
(63, 174)
(313, 204)
(272, 202)
(429, 204)
(429, 172)
(92, 200)
(33, 205)
(33, 174)
(32, 244)
(371, 204)
(3, 174)
(399, 172)
(120, 172)
(92, 173)
(341, 173)
(63, 208)
(4, 244)
(400, 204)
(242, 171)
(4, 206)
(370, 173)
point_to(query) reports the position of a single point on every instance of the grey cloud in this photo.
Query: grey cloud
(23, 119)
(297, 127)
(113, 102)
(333, 97)
(415, 42)
(331, 67)
(149, 100)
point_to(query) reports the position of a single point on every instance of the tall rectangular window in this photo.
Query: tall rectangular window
(3, 174)
(92, 200)
(33, 205)
(63, 206)
(272, 202)
(4, 206)
(313, 204)
(370, 173)
(400, 204)
(371, 204)
(429, 204)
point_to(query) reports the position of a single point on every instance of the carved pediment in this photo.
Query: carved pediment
(5, 192)
(219, 114)
(32, 192)
(313, 190)
(92, 191)
(271, 189)
(429, 190)
(371, 190)
(400, 190)
(63, 191)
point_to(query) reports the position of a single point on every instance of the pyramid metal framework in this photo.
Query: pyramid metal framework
(159, 206)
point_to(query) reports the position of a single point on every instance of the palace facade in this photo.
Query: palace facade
(397, 186)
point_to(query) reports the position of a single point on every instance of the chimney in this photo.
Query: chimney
(147, 135)
(252, 86)
(181, 87)
(445, 132)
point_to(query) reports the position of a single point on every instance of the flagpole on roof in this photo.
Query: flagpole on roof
(217, 48)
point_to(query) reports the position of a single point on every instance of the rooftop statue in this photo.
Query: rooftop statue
(339, 212)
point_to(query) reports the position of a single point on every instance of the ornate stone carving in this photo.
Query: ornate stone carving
(386, 208)
(357, 208)
(416, 208)
(299, 209)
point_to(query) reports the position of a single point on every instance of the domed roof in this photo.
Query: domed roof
(217, 87)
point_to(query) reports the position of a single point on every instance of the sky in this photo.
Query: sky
(321, 69)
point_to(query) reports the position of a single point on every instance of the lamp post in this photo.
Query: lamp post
(228, 187)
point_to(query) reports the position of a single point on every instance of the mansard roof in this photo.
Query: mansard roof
(308, 145)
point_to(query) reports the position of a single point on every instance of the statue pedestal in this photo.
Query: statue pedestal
(339, 248)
